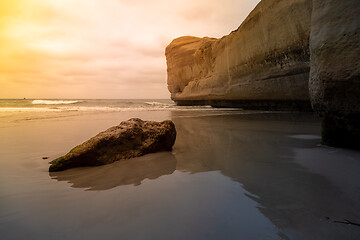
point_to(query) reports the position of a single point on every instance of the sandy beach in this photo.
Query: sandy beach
(231, 175)
(180, 120)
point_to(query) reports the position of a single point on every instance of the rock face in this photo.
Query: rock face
(264, 64)
(335, 70)
(132, 138)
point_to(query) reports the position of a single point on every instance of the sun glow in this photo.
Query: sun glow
(50, 46)
(100, 48)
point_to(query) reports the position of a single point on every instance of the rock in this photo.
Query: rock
(264, 64)
(132, 138)
(335, 70)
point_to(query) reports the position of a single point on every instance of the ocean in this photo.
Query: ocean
(232, 174)
(14, 110)
(88, 105)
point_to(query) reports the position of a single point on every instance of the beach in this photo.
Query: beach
(232, 174)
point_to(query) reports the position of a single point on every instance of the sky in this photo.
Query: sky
(101, 48)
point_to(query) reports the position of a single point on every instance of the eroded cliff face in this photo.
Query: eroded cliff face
(335, 70)
(263, 64)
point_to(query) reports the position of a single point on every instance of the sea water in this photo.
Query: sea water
(104, 105)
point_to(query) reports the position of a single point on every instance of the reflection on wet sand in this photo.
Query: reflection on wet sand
(258, 150)
(120, 173)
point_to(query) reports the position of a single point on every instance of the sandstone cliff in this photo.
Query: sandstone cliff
(335, 70)
(263, 64)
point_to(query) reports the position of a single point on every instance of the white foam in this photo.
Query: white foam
(139, 109)
(29, 110)
(56, 102)
(113, 109)
(160, 104)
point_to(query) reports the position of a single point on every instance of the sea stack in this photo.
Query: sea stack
(264, 64)
(335, 70)
(132, 138)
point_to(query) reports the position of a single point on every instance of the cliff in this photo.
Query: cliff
(264, 64)
(335, 70)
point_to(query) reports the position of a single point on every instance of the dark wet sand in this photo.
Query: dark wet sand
(231, 175)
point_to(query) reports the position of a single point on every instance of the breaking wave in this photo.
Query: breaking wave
(159, 104)
(93, 105)
(54, 102)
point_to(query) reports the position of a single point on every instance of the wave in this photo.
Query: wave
(112, 109)
(54, 102)
(140, 109)
(160, 104)
(29, 109)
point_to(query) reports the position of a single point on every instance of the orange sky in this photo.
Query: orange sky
(101, 48)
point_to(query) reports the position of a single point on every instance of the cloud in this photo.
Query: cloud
(101, 48)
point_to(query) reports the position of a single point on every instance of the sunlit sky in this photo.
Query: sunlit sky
(101, 48)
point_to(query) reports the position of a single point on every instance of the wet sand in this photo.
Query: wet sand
(231, 175)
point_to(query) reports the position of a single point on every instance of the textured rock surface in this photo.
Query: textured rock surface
(129, 139)
(263, 64)
(335, 70)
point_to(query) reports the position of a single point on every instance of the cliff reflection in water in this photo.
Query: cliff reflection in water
(266, 154)
(258, 150)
